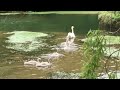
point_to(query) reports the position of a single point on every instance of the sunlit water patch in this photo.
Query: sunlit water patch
(107, 76)
(26, 40)
(109, 39)
(112, 51)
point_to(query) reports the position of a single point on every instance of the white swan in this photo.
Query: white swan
(42, 64)
(31, 62)
(70, 37)
(37, 63)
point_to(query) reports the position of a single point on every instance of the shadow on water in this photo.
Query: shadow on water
(57, 27)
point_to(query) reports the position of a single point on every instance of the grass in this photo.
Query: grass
(53, 12)
(93, 53)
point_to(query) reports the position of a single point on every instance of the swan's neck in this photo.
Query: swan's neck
(72, 30)
(38, 60)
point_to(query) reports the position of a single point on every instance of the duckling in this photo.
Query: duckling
(42, 64)
(31, 62)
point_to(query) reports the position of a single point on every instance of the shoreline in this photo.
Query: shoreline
(52, 12)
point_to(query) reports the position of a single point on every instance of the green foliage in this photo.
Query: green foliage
(116, 15)
(112, 75)
(109, 20)
(106, 17)
(93, 53)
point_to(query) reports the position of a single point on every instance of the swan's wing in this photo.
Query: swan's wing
(69, 34)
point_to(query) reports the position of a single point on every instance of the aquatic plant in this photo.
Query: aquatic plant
(26, 40)
(93, 53)
(112, 52)
(95, 48)
(64, 75)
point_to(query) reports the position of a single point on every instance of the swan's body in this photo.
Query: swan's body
(37, 63)
(31, 62)
(55, 55)
(70, 37)
(42, 64)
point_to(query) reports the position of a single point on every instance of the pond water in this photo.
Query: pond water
(28, 37)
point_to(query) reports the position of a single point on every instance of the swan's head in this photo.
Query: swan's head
(72, 27)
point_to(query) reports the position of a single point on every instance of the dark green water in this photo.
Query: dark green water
(50, 22)
(57, 27)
